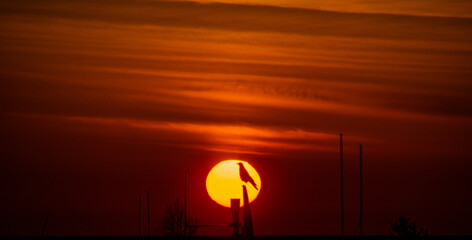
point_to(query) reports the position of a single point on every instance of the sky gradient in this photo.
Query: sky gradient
(102, 101)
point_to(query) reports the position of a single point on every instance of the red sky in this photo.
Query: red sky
(102, 101)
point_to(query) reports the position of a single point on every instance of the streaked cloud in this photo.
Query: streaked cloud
(106, 94)
(212, 137)
(255, 18)
(192, 63)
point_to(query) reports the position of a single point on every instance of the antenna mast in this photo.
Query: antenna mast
(342, 184)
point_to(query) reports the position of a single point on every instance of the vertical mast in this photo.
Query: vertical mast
(139, 216)
(45, 225)
(185, 206)
(247, 218)
(149, 216)
(342, 184)
(360, 190)
(235, 209)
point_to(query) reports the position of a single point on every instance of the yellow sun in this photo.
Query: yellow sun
(223, 182)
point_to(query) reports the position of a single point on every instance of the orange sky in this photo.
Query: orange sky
(145, 86)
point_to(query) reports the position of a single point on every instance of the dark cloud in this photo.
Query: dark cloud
(257, 18)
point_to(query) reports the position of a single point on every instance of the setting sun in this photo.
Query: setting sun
(224, 183)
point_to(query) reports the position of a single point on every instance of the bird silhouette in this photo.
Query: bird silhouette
(244, 175)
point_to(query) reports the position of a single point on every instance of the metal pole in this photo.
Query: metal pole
(247, 218)
(185, 206)
(149, 216)
(342, 184)
(235, 206)
(139, 216)
(360, 190)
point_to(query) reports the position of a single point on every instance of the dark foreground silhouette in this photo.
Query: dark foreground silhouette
(244, 175)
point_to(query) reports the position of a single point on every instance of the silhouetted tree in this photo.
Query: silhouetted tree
(405, 228)
(173, 222)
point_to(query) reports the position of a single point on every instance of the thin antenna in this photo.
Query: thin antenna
(139, 216)
(360, 190)
(342, 184)
(185, 206)
(45, 225)
(149, 216)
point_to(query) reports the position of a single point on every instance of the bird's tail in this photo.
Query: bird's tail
(255, 185)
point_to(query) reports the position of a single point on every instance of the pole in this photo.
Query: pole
(139, 216)
(45, 225)
(247, 218)
(342, 184)
(360, 190)
(149, 215)
(185, 206)
(235, 206)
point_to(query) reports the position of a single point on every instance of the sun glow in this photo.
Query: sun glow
(223, 182)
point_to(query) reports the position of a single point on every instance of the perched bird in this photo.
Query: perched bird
(244, 175)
